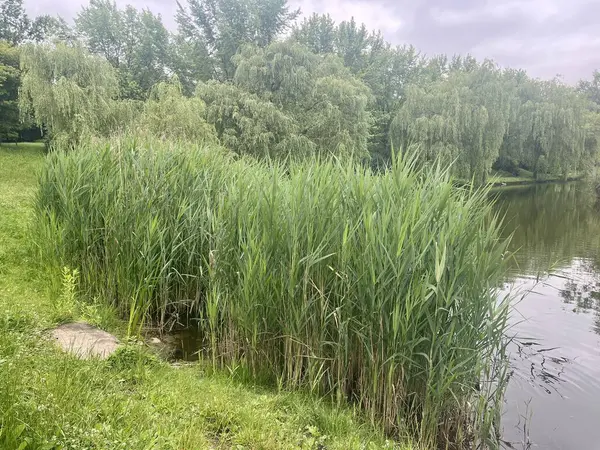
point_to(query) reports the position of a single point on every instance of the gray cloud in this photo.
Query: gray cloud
(545, 37)
(69, 8)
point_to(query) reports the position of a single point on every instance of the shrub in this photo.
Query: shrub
(507, 164)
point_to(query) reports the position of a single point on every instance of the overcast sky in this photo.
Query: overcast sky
(546, 37)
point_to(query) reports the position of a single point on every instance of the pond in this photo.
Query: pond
(553, 397)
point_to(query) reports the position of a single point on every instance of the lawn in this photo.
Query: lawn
(524, 177)
(50, 400)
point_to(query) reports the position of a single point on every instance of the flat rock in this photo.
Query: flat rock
(85, 341)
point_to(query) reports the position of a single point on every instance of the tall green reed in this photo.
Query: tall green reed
(378, 289)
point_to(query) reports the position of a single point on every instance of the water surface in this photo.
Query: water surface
(553, 397)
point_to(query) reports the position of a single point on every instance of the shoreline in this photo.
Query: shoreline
(501, 184)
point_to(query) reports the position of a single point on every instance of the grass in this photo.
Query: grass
(501, 176)
(373, 290)
(50, 400)
(523, 177)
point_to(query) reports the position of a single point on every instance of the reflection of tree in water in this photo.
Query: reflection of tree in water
(551, 225)
(585, 297)
(556, 231)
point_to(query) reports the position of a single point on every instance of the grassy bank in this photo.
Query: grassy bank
(525, 177)
(49, 400)
(377, 290)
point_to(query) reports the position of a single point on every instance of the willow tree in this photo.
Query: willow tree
(385, 69)
(460, 119)
(511, 154)
(591, 129)
(67, 91)
(557, 129)
(547, 127)
(327, 102)
(170, 115)
(390, 72)
(591, 91)
(428, 118)
(248, 124)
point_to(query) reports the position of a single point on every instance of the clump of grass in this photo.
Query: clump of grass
(52, 400)
(378, 289)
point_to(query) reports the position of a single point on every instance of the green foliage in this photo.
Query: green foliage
(67, 91)
(546, 130)
(10, 125)
(461, 119)
(14, 22)
(386, 70)
(377, 289)
(101, 24)
(317, 32)
(65, 304)
(149, 59)
(133, 362)
(214, 30)
(592, 138)
(591, 88)
(136, 43)
(285, 102)
(399, 77)
(352, 42)
(356, 45)
(324, 88)
(169, 115)
(327, 103)
(250, 125)
(507, 164)
(391, 70)
(49, 28)
(16, 27)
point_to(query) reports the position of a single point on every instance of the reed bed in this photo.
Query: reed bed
(377, 289)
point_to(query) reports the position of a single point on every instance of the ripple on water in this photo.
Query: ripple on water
(553, 397)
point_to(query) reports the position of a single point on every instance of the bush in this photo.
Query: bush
(378, 289)
(507, 164)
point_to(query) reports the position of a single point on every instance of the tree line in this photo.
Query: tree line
(252, 76)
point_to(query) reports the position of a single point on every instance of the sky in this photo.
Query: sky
(545, 37)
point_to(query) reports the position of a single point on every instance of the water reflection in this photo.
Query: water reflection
(585, 297)
(553, 398)
(551, 224)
